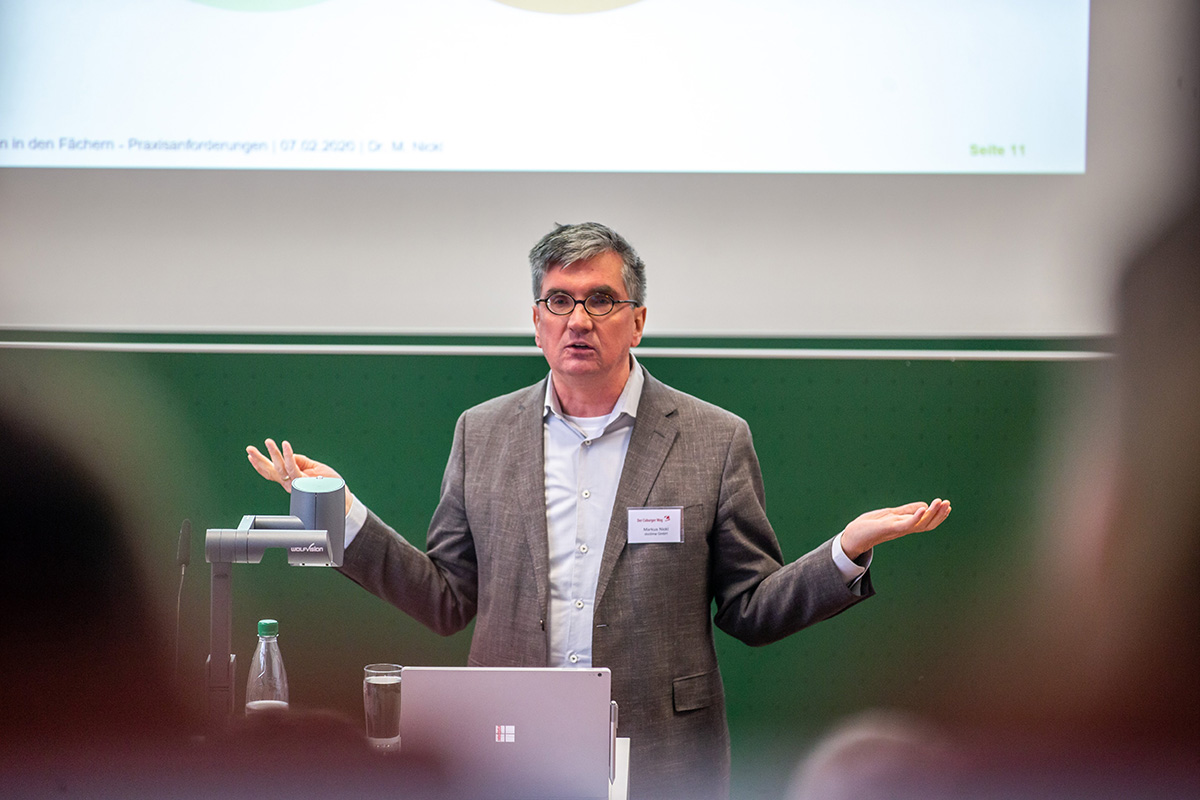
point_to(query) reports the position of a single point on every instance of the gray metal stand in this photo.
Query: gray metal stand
(314, 535)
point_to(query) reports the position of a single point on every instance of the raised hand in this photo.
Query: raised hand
(284, 466)
(885, 524)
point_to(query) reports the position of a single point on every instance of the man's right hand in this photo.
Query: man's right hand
(284, 466)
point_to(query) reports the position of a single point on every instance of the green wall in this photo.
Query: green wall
(835, 436)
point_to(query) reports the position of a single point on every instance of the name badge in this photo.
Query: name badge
(655, 525)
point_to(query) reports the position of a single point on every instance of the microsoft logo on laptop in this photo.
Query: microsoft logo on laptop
(506, 733)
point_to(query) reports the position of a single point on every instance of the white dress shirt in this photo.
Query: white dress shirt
(584, 459)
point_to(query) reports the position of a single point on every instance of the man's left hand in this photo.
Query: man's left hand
(885, 524)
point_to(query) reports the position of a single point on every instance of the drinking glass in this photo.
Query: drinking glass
(381, 703)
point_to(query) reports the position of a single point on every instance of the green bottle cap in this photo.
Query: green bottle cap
(268, 627)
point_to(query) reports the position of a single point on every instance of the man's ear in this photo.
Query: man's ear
(537, 339)
(639, 325)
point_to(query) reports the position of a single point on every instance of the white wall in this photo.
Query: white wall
(727, 254)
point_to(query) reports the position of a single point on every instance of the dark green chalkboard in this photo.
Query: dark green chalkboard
(835, 437)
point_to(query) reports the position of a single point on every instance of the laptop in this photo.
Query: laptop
(513, 733)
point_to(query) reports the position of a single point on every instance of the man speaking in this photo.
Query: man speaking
(594, 518)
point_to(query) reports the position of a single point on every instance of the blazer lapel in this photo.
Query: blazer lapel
(529, 458)
(654, 432)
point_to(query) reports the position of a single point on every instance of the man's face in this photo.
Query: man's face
(579, 345)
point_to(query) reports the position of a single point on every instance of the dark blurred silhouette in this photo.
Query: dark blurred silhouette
(1093, 690)
(81, 657)
(89, 705)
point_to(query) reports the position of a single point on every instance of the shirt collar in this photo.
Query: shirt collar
(627, 403)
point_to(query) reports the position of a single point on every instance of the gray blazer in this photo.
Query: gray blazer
(487, 558)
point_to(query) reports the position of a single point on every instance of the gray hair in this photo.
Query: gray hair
(567, 244)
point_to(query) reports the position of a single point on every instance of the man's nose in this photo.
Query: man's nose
(580, 318)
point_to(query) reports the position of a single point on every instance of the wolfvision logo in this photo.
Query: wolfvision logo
(312, 548)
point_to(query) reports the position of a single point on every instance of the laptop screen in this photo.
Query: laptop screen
(512, 732)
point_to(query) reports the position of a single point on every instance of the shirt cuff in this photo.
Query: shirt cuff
(356, 517)
(852, 571)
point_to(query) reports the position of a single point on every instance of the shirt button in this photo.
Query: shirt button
(579, 604)
(587, 442)
(586, 494)
(583, 548)
(573, 658)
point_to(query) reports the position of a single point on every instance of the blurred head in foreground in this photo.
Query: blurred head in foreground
(1116, 647)
(1091, 688)
(81, 657)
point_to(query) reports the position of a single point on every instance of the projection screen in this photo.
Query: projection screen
(791, 168)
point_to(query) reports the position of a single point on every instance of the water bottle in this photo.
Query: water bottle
(267, 688)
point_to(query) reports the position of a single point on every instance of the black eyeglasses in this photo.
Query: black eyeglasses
(597, 305)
